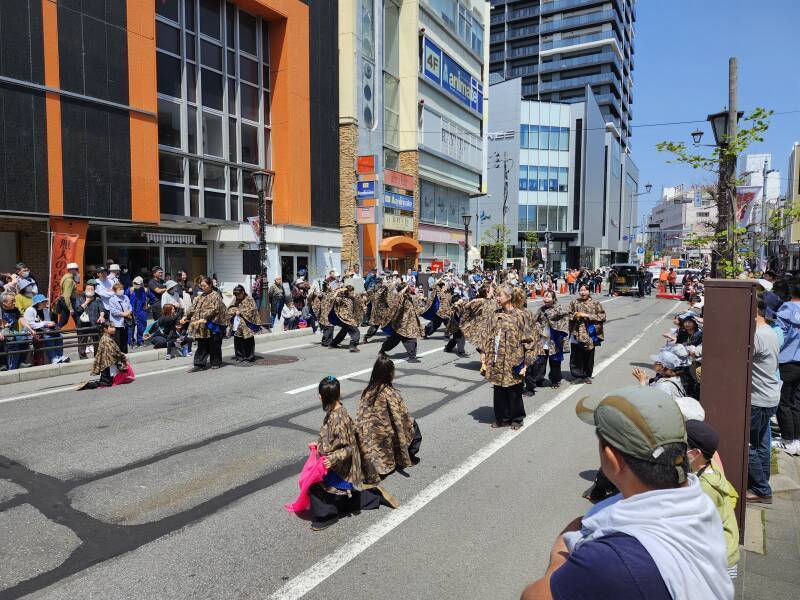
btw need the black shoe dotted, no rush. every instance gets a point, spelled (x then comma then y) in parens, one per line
(448, 350)
(334, 346)
(528, 393)
(215, 366)
(196, 368)
(366, 339)
(354, 349)
(413, 360)
(238, 359)
(320, 525)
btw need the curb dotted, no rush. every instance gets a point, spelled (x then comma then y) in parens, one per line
(145, 356)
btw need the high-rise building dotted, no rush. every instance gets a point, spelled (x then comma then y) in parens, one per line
(412, 128)
(558, 47)
(137, 125)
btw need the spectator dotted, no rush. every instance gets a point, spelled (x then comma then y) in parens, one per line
(25, 293)
(114, 274)
(37, 316)
(156, 286)
(185, 283)
(672, 277)
(125, 277)
(24, 277)
(277, 298)
(105, 288)
(703, 442)
(765, 395)
(65, 305)
(141, 300)
(666, 365)
(164, 332)
(13, 338)
(789, 358)
(120, 313)
(91, 314)
(665, 540)
(663, 278)
(290, 316)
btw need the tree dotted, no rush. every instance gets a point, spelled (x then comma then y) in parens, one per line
(725, 242)
(532, 253)
(495, 240)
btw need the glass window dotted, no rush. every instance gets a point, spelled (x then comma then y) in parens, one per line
(169, 75)
(170, 168)
(214, 205)
(563, 176)
(542, 217)
(553, 186)
(213, 176)
(169, 123)
(533, 182)
(232, 146)
(533, 137)
(532, 218)
(211, 85)
(211, 55)
(249, 207)
(233, 177)
(554, 135)
(231, 63)
(192, 126)
(552, 218)
(248, 27)
(188, 14)
(265, 41)
(168, 37)
(231, 96)
(523, 136)
(563, 143)
(172, 200)
(190, 49)
(194, 203)
(230, 24)
(523, 217)
(209, 18)
(212, 134)
(249, 144)
(249, 70)
(249, 100)
(233, 200)
(191, 82)
(544, 137)
(194, 171)
(169, 8)
(427, 192)
(523, 177)
(542, 179)
(248, 185)
(562, 218)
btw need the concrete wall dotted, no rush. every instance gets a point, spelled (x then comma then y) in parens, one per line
(592, 181)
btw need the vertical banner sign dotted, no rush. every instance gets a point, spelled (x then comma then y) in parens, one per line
(63, 250)
(747, 197)
(450, 76)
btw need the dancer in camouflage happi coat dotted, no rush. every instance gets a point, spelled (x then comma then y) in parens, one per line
(348, 309)
(321, 302)
(443, 292)
(551, 340)
(379, 313)
(404, 322)
(586, 332)
(208, 320)
(245, 310)
(475, 314)
(106, 357)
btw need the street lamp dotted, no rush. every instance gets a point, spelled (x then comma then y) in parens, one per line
(263, 182)
(505, 162)
(466, 218)
(697, 135)
(647, 188)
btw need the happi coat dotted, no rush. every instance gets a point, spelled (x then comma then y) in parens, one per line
(507, 345)
(578, 327)
(248, 313)
(107, 355)
(385, 430)
(207, 308)
(338, 441)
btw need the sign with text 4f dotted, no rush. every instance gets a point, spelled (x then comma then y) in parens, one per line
(454, 79)
(365, 189)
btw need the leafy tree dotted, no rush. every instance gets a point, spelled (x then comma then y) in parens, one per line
(532, 251)
(495, 241)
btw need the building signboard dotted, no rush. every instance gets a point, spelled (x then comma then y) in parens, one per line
(451, 77)
(365, 164)
(365, 215)
(398, 222)
(401, 201)
(365, 189)
(399, 180)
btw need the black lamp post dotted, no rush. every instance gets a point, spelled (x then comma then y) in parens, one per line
(466, 219)
(263, 181)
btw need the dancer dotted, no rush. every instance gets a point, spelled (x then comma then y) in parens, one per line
(404, 323)
(386, 430)
(246, 321)
(377, 297)
(207, 321)
(321, 302)
(474, 315)
(506, 347)
(453, 329)
(551, 322)
(347, 312)
(586, 333)
(442, 314)
(107, 359)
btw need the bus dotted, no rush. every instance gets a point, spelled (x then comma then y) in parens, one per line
(627, 281)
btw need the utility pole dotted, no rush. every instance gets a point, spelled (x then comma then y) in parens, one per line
(763, 256)
(505, 161)
(726, 190)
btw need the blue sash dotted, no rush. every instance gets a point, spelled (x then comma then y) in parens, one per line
(213, 327)
(334, 320)
(253, 327)
(332, 479)
(592, 331)
(431, 312)
(388, 330)
(558, 342)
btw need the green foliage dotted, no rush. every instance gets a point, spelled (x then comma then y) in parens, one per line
(495, 240)
(532, 253)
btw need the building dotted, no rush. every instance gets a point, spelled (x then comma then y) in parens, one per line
(560, 48)
(570, 183)
(137, 125)
(411, 125)
(790, 247)
(751, 168)
(683, 211)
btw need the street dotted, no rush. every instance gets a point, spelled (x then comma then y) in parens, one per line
(173, 486)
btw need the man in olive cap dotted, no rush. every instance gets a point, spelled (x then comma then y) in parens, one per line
(661, 536)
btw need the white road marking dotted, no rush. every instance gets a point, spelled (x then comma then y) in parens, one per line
(314, 386)
(322, 570)
(149, 374)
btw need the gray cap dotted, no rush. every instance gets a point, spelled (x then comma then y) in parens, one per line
(638, 421)
(170, 284)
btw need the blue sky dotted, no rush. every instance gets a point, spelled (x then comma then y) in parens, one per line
(681, 73)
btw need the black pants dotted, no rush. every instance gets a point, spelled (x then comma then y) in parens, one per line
(431, 327)
(672, 289)
(581, 361)
(410, 344)
(121, 337)
(105, 380)
(353, 332)
(789, 407)
(534, 374)
(457, 342)
(244, 348)
(508, 405)
(327, 334)
(209, 348)
(371, 332)
(326, 506)
(159, 341)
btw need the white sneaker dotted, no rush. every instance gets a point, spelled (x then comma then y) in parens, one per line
(55, 360)
(793, 448)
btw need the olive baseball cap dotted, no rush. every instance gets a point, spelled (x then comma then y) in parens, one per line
(636, 420)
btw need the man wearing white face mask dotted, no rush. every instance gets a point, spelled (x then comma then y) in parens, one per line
(24, 277)
(114, 273)
(104, 287)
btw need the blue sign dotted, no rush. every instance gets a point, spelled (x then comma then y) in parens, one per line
(446, 73)
(639, 250)
(365, 189)
(401, 201)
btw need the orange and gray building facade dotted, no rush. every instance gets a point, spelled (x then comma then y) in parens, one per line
(137, 125)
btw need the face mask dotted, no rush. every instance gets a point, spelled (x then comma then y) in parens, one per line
(89, 293)
(28, 292)
(77, 278)
(25, 273)
(136, 286)
(120, 293)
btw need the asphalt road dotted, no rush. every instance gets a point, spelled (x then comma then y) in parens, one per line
(173, 487)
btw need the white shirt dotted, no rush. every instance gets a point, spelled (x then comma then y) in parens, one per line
(103, 289)
(32, 317)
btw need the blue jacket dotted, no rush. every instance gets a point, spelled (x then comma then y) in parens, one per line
(789, 322)
(140, 299)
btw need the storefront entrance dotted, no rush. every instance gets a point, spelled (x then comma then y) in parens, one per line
(292, 261)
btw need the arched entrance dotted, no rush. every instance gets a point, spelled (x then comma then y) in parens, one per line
(400, 253)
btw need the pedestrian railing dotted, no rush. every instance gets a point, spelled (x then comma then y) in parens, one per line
(23, 343)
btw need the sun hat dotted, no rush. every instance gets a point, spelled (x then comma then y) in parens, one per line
(767, 285)
(23, 283)
(691, 409)
(114, 267)
(668, 359)
(72, 265)
(138, 280)
(170, 284)
(39, 298)
(638, 421)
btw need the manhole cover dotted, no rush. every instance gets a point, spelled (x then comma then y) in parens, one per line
(275, 359)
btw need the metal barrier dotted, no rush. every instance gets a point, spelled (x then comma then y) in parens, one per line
(81, 337)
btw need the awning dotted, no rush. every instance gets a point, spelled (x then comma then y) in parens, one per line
(400, 244)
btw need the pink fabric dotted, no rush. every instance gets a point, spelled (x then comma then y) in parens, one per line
(312, 473)
(125, 376)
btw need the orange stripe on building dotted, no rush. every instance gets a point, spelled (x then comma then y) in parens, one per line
(145, 202)
(52, 78)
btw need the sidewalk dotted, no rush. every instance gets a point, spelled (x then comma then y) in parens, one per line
(141, 355)
(770, 560)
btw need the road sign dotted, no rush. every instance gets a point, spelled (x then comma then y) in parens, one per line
(365, 189)
(625, 238)
(640, 250)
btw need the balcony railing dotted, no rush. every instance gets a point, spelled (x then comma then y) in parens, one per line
(576, 82)
(498, 37)
(580, 61)
(521, 71)
(522, 13)
(522, 32)
(558, 5)
(581, 39)
(523, 51)
(570, 22)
